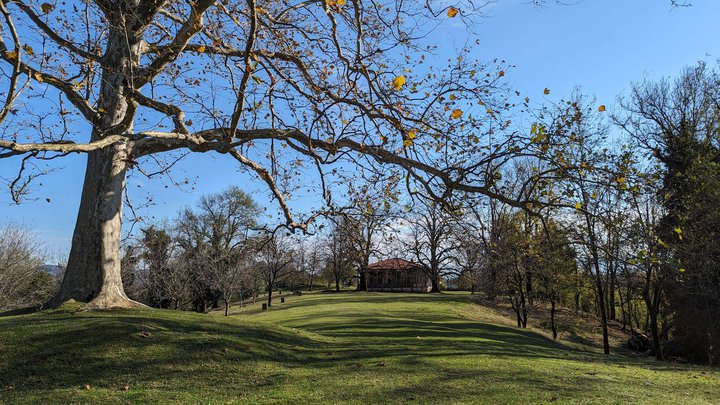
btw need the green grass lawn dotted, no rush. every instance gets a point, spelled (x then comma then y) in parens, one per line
(322, 348)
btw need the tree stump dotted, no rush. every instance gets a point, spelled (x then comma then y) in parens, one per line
(264, 306)
(282, 300)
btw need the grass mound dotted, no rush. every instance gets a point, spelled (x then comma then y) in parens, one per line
(321, 348)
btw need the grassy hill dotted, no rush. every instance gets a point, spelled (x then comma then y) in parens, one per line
(322, 348)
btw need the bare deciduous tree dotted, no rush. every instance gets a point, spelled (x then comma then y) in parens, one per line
(22, 281)
(127, 82)
(274, 261)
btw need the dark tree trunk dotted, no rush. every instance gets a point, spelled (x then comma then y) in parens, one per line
(435, 285)
(611, 295)
(656, 336)
(337, 284)
(523, 310)
(529, 287)
(362, 281)
(552, 319)
(269, 302)
(622, 309)
(603, 314)
(598, 283)
(652, 302)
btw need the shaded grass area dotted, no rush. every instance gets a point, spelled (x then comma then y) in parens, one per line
(322, 348)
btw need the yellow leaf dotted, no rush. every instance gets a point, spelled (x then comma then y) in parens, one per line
(398, 82)
(546, 91)
(12, 55)
(662, 243)
(46, 7)
(452, 12)
(452, 97)
(38, 77)
(407, 143)
(578, 206)
(412, 133)
(682, 270)
(620, 180)
(201, 49)
(383, 138)
(101, 110)
(28, 49)
(501, 73)
(602, 108)
(456, 113)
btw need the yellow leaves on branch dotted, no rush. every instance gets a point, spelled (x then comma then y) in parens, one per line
(201, 49)
(601, 108)
(412, 134)
(335, 3)
(398, 83)
(538, 132)
(456, 114)
(452, 12)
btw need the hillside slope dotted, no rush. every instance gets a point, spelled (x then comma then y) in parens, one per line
(321, 348)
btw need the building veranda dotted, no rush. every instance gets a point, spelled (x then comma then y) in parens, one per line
(397, 275)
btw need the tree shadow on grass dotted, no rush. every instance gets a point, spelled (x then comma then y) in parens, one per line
(65, 351)
(62, 349)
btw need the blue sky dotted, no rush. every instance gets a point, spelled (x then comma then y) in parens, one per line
(601, 46)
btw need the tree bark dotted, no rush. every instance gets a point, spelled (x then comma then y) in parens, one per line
(435, 285)
(362, 281)
(93, 271)
(603, 314)
(552, 320)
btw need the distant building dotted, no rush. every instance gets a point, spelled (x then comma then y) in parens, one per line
(397, 275)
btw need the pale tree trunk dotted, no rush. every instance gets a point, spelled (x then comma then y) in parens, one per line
(93, 271)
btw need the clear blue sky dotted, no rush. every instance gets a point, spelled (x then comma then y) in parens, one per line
(601, 46)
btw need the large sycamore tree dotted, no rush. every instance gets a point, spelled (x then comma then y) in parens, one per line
(287, 88)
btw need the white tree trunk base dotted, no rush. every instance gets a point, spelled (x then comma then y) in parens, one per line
(108, 301)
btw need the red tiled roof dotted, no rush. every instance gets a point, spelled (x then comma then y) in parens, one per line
(394, 264)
